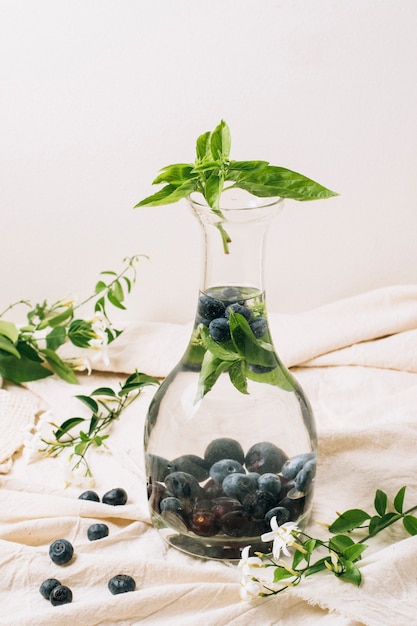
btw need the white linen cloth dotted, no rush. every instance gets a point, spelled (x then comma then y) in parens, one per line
(357, 362)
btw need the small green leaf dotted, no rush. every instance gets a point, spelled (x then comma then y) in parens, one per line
(297, 558)
(59, 367)
(111, 297)
(410, 524)
(399, 500)
(221, 141)
(280, 573)
(339, 543)
(117, 289)
(88, 401)
(168, 194)
(380, 502)
(351, 574)
(214, 188)
(175, 174)
(80, 333)
(349, 520)
(103, 391)
(7, 346)
(56, 337)
(66, 426)
(203, 150)
(80, 448)
(100, 286)
(58, 319)
(353, 553)
(318, 566)
(9, 330)
(238, 377)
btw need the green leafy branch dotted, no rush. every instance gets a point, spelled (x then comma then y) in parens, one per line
(213, 169)
(342, 553)
(29, 352)
(106, 406)
(243, 357)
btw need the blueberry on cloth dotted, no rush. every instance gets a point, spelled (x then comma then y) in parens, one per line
(89, 495)
(97, 531)
(61, 551)
(121, 583)
(115, 497)
(47, 586)
(60, 595)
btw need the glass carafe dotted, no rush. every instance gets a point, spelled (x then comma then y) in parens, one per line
(230, 438)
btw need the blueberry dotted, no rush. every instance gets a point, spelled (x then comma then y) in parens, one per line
(257, 503)
(294, 464)
(156, 493)
(47, 586)
(61, 551)
(305, 476)
(241, 309)
(239, 485)
(265, 457)
(158, 467)
(61, 594)
(224, 448)
(89, 495)
(259, 327)
(221, 469)
(192, 464)
(171, 504)
(295, 507)
(121, 583)
(97, 531)
(182, 485)
(115, 496)
(219, 329)
(280, 512)
(213, 489)
(270, 482)
(210, 308)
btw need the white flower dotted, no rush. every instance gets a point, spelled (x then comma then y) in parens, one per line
(247, 563)
(80, 364)
(250, 589)
(282, 536)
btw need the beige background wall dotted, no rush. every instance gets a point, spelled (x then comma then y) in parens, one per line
(97, 95)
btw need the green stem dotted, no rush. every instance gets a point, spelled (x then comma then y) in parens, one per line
(388, 523)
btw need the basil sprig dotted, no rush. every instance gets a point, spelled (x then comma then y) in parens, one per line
(243, 357)
(212, 171)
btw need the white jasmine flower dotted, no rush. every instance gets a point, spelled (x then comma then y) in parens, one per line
(282, 536)
(250, 589)
(80, 364)
(249, 562)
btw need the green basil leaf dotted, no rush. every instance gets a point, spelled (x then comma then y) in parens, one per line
(399, 500)
(168, 194)
(237, 376)
(380, 502)
(254, 351)
(211, 368)
(175, 174)
(410, 524)
(221, 141)
(349, 520)
(221, 351)
(203, 149)
(273, 181)
(214, 188)
(9, 330)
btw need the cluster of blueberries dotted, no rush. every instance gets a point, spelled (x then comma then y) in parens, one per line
(214, 313)
(61, 552)
(229, 491)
